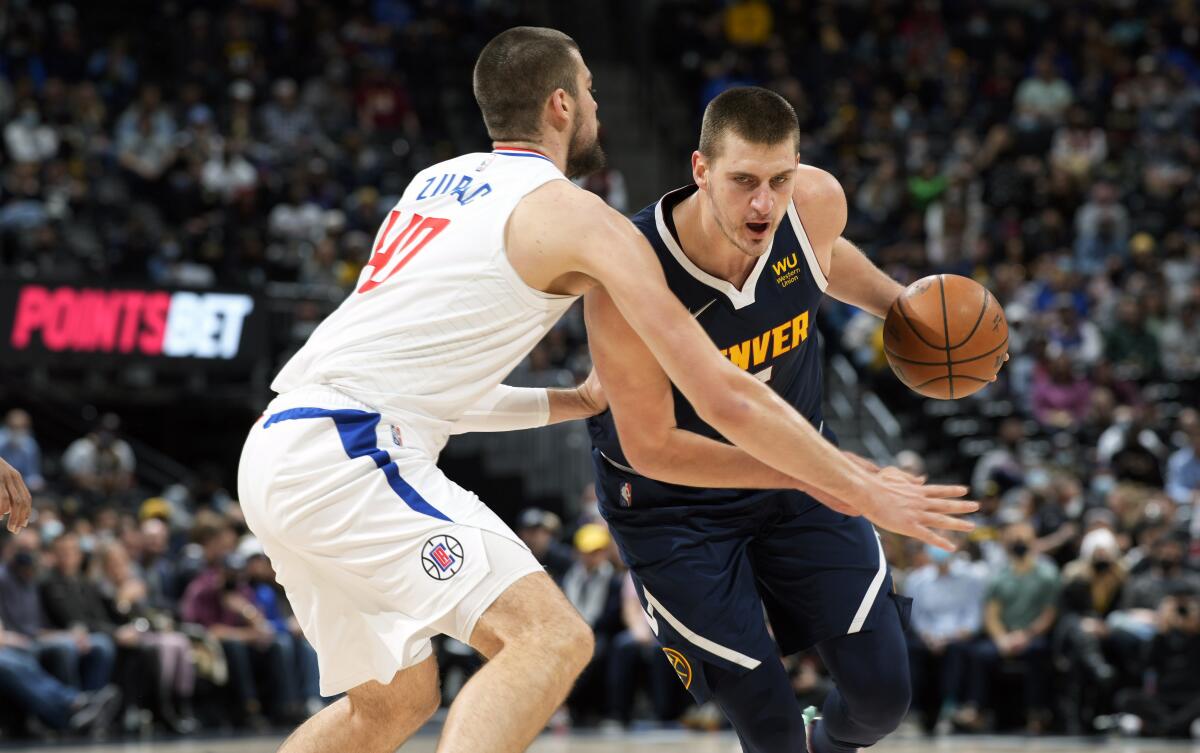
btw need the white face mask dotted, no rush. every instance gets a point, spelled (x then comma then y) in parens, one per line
(51, 530)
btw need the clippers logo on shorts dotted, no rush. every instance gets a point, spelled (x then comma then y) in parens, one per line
(681, 666)
(442, 557)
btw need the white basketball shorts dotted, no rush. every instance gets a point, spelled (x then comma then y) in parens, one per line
(378, 551)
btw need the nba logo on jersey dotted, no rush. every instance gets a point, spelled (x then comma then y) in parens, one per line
(442, 557)
(626, 495)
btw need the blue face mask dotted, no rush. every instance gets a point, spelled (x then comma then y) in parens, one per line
(938, 555)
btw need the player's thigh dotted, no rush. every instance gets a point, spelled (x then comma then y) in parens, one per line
(821, 574)
(697, 587)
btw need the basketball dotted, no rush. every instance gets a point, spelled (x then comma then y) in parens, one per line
(945, 336)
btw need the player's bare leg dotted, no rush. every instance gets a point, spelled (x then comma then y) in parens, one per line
(372, 718)
(537, 644)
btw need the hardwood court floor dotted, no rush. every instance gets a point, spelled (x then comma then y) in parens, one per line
(667, 742)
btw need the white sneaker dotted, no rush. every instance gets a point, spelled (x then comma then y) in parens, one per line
(810, 721)
(810, 718)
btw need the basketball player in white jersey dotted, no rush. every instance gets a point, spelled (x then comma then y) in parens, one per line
(377, 549)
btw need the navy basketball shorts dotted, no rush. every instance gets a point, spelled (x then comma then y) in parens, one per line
(740, 583)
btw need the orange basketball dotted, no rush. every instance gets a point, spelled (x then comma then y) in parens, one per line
(945, 336)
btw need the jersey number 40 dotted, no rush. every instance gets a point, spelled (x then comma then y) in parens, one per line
(394, 251)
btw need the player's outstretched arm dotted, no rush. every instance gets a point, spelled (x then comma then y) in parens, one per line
(596, 241)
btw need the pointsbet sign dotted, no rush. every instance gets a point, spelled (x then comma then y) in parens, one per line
(64, 320)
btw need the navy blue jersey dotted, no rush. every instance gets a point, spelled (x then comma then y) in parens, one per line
(767, 328)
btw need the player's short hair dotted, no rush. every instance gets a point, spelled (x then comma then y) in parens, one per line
(516, 72)
(758, 115)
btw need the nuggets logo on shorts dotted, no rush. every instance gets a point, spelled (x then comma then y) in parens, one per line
(442, 557)
(681, 666)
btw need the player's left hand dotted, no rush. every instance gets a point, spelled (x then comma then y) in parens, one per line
(14, 498)
(591, 392)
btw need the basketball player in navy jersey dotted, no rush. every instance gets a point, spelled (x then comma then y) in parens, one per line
(710, 534)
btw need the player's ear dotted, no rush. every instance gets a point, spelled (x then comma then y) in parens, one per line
(700, 169)
(559, 109)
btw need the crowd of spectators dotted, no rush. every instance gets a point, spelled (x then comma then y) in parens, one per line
(124, 612)
(1050, 151)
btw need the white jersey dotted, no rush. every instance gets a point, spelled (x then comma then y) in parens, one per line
(439, 316)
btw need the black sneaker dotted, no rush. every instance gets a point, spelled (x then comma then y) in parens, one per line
(95, 711)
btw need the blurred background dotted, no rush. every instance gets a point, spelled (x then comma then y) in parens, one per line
(187, 188)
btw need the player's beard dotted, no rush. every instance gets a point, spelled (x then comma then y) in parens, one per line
(583, 157)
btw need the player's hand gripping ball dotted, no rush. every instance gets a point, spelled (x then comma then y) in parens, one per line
(945, 336)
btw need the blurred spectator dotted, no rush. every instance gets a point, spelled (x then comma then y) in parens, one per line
(593, 586)
(74, 606)
(636, 661)
(127, 600)
(1079, 147)
(1102, 228)
(947, 614)
(159, 568)
(1183, 470)
(20, 448)
(1060, 396)
(27, 138)
(228, 174)
(748, 22)
(26, 686)
(1079, 338)
(539, 530)
(1091, 591)
(1019, 613)
(1002, 465)
(1165, 575)
(300, 659)
(218, 600)
(1130, 344)
(1169, 704)
(1179, 345)
(1042, 99)
(101, 463)
(288, 124)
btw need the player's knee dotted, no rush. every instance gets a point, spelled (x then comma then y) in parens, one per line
(571, 639)
(881, 704)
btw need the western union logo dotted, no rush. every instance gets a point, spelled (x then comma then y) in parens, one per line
(770, 344)
(787, 270)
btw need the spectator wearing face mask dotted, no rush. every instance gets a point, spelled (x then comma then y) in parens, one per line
(1091, 591)
(947, 614)
(1018, 615)
(1168, 703)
